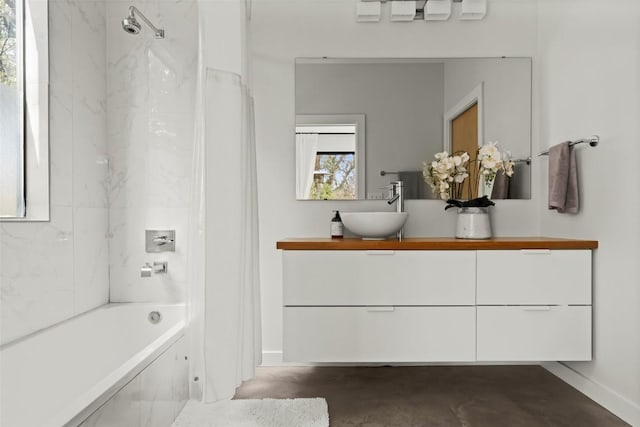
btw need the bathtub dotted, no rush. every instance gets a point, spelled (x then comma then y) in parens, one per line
(61, 375)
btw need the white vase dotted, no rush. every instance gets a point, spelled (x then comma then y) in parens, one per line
(484, 188)
(473, 223)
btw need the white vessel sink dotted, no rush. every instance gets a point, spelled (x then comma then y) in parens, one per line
(374, 225)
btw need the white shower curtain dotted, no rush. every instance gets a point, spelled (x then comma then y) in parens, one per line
(306, 152)
(224, 301)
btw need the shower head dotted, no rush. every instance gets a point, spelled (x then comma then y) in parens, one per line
(131, 25)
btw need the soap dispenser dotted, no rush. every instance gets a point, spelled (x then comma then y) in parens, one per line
(337, 228)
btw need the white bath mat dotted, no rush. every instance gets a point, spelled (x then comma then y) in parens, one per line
(255, 413)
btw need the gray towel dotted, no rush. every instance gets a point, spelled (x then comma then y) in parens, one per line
(563, 179)
(501, 186)
(414, 185)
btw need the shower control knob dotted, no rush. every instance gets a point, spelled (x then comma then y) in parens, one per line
(160, 241)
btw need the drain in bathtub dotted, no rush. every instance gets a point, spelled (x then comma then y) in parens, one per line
(155, 317)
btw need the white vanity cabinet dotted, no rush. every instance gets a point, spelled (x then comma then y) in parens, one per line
(534, 305)
(379, 277)
(379, 306)
(409, 301)
(379, 334)
(534, 277)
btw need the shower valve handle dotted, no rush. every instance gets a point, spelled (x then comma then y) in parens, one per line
(162, 240)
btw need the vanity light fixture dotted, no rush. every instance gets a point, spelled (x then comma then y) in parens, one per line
(428, 10)
(403, 10)
(437, 10)
(368, 11)
(473, 9)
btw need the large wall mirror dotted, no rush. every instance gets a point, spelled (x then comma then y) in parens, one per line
(361, 123)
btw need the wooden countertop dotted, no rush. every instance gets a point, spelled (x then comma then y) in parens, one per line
(433, 243)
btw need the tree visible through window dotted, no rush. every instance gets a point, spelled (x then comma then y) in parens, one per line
(11, 110)
(328, 158)
(335, 176)
(8, 42)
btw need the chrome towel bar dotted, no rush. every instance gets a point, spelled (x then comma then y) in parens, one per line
(593, 142)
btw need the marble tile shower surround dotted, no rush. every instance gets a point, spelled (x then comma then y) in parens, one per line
(121, 147)
(150, 107)
(50, 271)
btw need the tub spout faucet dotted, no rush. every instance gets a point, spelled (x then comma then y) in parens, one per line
(157, 267)
(397, 196)
(160, 266)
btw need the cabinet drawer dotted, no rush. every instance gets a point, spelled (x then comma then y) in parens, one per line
(379, 334)
(534, 333)
(344, 278)
(534, 277)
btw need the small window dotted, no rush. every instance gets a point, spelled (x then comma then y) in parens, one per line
(12, 141)
(24, 110)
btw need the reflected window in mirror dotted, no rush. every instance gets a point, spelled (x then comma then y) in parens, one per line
(329, 157)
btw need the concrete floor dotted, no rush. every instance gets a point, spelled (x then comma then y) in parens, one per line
(469, 396)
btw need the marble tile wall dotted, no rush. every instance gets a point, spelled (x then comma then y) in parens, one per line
(154, 398)
(50, 271)
(150, 104)
(121, 120)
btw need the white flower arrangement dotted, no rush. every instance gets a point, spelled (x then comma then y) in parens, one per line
(446, 174)
(491, 161)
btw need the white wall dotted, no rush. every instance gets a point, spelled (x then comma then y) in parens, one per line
(403, 105)
(50, 271)
(223, 26)
(590, 84)
(151, 88)
(282, 30)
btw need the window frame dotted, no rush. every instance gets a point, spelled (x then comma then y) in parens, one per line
(357, 120)
(35, 67)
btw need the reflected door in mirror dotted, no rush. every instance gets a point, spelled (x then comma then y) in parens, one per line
(464, 138)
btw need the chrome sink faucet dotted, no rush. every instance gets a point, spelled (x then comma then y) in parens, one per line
(397, 196)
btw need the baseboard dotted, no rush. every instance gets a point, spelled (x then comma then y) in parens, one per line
(274, 358)
(619, 405)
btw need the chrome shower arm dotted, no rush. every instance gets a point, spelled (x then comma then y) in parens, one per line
(133, 11)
